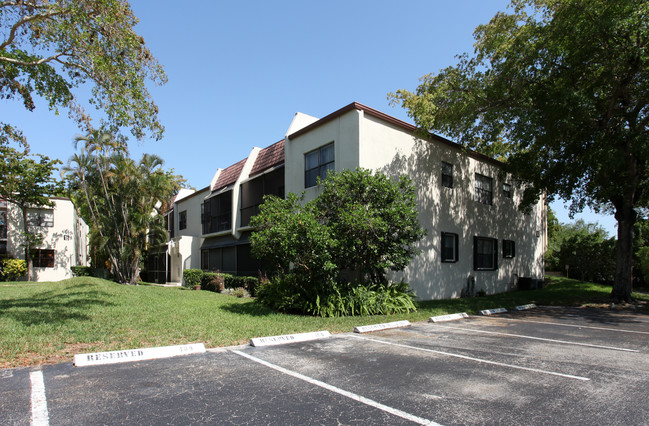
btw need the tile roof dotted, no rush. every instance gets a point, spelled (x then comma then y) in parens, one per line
(229, 175)
(269, 157)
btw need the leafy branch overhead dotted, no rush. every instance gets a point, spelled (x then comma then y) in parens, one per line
(50, 48)
(560, 90)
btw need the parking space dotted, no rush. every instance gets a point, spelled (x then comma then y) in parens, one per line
(543, 366)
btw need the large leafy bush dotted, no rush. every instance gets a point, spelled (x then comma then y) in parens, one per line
(330, 256)
(12, 269)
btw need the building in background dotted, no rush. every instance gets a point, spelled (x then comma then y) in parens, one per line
(477, 239)
(65, 242)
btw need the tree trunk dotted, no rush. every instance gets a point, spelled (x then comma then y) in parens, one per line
(626, 217)
(28, 249)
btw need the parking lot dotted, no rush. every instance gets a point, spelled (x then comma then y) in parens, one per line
(540, 366)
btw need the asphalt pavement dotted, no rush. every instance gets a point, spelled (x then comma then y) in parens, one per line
(540, 366)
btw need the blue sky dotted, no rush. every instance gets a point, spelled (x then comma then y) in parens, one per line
(239, 71)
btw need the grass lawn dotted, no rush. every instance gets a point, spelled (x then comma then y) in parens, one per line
(51, 322)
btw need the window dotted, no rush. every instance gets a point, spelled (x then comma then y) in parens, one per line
(447, 175)
(217, 213)
(485, 254)
(3, 224)
(41, 218)
(449, 247)
(222, 259)
(483, 189)
(317, 164)
(205, 260)
(43, 258)
(182, 219)
(509, 249)
(507, 190)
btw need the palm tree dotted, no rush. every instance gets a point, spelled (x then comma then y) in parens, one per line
(122, 199)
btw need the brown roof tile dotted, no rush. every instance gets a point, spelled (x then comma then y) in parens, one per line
(229, 175)
(269, 157)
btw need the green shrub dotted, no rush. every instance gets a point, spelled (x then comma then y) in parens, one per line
(362, 226)
(216, 283)
(82, 271)
(286, 294)
(251, 285)
(12, 269)
(228, 280)
(240, 292)
(206, 279)
(643, 260)
(248, 283)
(192, 277)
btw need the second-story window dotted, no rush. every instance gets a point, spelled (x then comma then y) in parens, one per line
(217, 213)
(447, 174)
(317, 164)
(507, 190)
(182, 219)
(483, 189)
(3, 224)
(41, 218)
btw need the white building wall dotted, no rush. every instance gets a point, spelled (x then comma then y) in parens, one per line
(184, 249)
(369, 142)
(342, 131)
(68, 238)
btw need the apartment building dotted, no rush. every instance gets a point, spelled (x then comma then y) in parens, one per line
(477, 239)
(65, 242)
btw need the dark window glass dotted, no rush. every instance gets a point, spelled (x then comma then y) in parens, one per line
(43, 258)
(485, 254)
(318, 163)
(449, 247)
(205, 260)
(3, 224)
(229, 260)
(182, 219)
(483, 189)
(447, 175)
(509, 249)
(217, 213)
(507, 190)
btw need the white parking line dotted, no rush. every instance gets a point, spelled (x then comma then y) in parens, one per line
(543, 339)
(486, 361)
(570, 325)
(40, 417)
(339, 391)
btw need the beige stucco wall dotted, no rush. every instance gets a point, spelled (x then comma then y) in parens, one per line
(342, 131)
(368, 142)
(184, 248)
(68, 238)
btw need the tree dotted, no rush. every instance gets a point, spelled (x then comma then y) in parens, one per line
(374, 221)
(49, 48)
(559, 90)
(27, 183)
(586, 249)
(331, 253)
(121, 199)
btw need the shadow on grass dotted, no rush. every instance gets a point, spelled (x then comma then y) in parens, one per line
(54, 307)
(577, 299)
(254, 309)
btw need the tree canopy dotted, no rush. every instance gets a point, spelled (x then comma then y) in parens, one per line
(50, 48)
(121, 199)
(559, 90)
